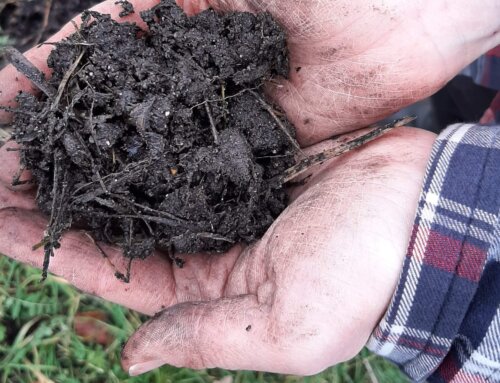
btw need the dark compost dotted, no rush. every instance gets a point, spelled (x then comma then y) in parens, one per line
(159, 139)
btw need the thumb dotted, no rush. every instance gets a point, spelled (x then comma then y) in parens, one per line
(224, 333)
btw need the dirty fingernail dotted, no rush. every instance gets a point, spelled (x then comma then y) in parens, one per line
(142, 368)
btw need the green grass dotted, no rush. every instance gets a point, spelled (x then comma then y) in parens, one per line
(38, 342)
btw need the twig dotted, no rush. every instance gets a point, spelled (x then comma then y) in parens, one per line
(270, 110)
(92, 130)
(212, 124)
(224, 97)
(22, 64)
(66, 43)
(91, 159)
(101, 251)
(179, 262)
(156, 219)
(215, 237)
(125, 277)
(224, 103)
(319, 158)
(146, 208)
(17, 177)
(128, 169)
(65, 80)
(48, 241)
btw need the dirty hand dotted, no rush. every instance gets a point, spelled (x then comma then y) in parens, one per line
(303, 298)
(356, 61)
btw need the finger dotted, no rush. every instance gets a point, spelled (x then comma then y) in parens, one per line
(22, 200)
(151, 287)
(12, 82)
(11, 168)
(223, 333)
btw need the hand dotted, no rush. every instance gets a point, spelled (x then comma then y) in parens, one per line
(303, 298)
(353, 62)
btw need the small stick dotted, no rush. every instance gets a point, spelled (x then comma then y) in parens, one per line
(224, 97)
(319, 158)
(212, 124)
(215, 237)
(270, 110)
(22, 64)
(179, 262)
(224, 103)
(99, 248)
(146, 208)
(67, 43)
(125, 277)
(17, 177)
(101, 251)
(92, 132)
(55, 184)
(65, 80)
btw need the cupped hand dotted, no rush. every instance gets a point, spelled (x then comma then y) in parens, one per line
(353, 62)
(306, 296)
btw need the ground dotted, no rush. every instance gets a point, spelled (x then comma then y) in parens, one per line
(52, 333)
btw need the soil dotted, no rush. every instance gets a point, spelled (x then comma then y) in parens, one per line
(160, 139)
(127, 6)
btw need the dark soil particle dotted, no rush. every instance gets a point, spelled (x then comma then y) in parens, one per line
(160, 139)
(128, 8)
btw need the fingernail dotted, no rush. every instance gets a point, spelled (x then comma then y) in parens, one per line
(142, 368)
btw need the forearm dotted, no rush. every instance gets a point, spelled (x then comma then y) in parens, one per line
(449, 289)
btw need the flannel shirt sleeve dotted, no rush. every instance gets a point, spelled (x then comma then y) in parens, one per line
(443, 323)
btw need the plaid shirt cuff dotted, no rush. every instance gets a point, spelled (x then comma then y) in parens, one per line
(443, 323)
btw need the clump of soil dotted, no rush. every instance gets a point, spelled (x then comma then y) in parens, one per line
(127, 7)
(160, 139)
